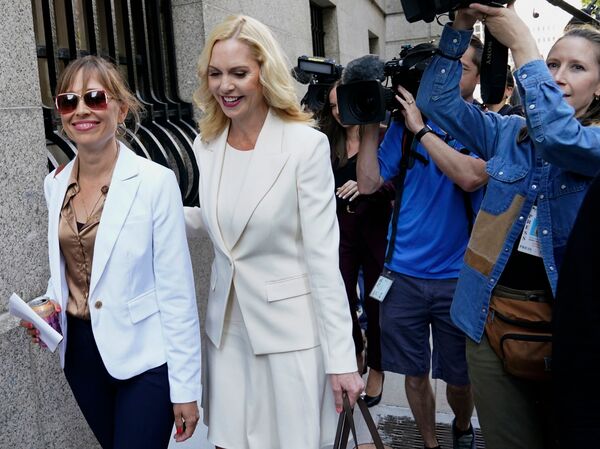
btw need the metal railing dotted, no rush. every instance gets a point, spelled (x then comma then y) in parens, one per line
(137, 35)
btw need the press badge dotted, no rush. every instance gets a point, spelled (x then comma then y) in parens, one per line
(382, 287)
(530, 242)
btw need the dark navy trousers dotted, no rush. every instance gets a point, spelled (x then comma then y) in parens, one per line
(134, 413)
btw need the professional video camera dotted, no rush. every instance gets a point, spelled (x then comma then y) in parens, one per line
(361, 97)
(493, 73)
(426, 10)
(320, 74)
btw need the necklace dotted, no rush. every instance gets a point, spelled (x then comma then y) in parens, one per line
(89, 214)
(103, 191)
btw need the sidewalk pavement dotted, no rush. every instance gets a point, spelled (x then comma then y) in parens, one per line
(393, 404)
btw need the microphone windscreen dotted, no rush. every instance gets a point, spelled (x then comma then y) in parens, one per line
(368, 67)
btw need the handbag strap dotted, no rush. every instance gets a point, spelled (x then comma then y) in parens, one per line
(364, 408)
(346, 425)
(339, 434)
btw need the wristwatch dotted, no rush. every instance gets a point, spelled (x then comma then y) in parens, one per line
(426, 129)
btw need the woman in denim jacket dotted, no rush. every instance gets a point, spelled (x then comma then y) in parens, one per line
(540, 167)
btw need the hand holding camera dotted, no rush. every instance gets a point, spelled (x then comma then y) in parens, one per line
(412, 116)
(465, 18)
(505, 25)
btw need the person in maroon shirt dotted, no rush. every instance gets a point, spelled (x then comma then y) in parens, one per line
(363, 221)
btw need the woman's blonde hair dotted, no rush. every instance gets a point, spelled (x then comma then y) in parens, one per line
(107, 74)
(275, 77)
(591, 117)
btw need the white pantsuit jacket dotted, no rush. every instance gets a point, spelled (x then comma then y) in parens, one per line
(284, 262)
(141, 296)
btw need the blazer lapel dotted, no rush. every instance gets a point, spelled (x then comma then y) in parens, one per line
(267, 162)
(215, 150)
(123, 187)
(56, 202)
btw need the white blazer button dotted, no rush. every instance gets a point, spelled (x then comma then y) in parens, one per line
(98, 304)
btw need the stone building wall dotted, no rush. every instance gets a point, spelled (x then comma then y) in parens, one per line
(37, 409)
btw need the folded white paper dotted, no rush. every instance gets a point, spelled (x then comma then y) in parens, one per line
(19, 308)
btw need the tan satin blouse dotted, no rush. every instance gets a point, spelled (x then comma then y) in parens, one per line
(77, 246)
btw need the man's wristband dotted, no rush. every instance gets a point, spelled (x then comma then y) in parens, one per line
(426, 129)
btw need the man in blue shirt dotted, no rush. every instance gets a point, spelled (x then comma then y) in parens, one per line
(425, 256)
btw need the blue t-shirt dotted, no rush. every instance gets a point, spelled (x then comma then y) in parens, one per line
(433, 226)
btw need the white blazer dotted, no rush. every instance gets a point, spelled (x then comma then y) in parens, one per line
(141, 297)
(284, 263)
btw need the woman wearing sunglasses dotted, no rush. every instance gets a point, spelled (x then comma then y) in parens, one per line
(120, 272)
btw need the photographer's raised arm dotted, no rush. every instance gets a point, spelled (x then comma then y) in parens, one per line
(556, 117)
(506, 26)
(439, 98)
(465, 171)
(367, 168)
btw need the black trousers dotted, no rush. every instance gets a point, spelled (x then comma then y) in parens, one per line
(363, 241)
(134, 413)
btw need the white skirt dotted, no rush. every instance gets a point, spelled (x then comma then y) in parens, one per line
(272, 401)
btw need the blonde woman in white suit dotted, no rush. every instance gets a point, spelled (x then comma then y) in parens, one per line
(120, 272)
(280, 350)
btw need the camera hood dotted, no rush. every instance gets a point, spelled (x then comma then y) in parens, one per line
(361, 102)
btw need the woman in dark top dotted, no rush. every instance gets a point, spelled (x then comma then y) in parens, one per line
(363, 229)
(576, 348)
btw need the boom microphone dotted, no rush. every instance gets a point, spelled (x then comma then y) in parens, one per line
(368, 67)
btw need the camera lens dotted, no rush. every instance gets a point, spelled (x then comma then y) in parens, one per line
(364, 105)
(361, 102)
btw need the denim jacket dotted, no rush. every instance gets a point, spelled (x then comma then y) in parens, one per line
(551, 168)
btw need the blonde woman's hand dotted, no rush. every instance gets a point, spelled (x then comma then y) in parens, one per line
(186, 420)
(351, 383)
(32, 330)
(348, 190)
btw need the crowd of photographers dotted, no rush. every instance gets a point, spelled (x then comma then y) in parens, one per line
(460, 215)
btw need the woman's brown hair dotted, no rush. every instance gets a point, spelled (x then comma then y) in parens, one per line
(336, 133)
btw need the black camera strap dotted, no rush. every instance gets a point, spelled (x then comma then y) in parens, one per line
(493, 69)
(467, 201)
(409, 155)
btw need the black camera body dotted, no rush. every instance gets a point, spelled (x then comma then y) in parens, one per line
(363, 99)
(408, 69)
(492, 74)
(426, 10)
(320, 74)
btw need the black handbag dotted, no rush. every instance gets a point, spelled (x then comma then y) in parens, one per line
(346, 425)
